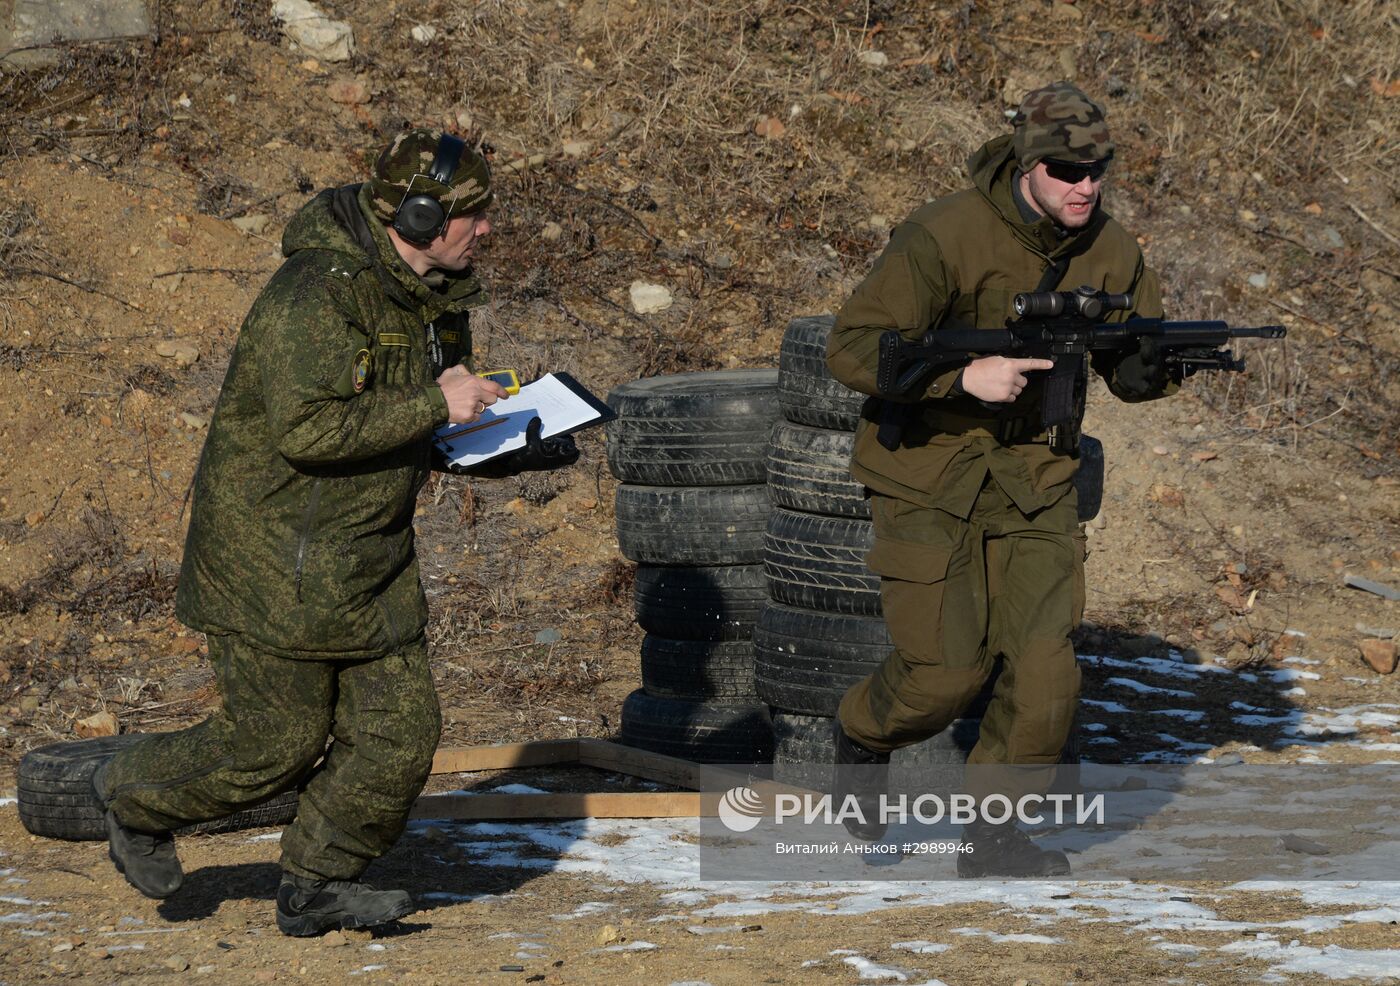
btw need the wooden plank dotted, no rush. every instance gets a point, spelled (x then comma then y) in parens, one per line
(459, 807)
(606, 755)
(539, 753)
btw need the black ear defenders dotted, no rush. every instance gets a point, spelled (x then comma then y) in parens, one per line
(420, 218)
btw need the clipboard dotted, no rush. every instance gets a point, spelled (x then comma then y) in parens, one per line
(562, 404)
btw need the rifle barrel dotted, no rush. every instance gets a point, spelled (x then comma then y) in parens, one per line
(1260, 332)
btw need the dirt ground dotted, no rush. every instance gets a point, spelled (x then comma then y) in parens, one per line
(750, 156)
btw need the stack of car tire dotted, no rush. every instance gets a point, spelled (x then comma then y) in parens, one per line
(692, 508)
(822, 630)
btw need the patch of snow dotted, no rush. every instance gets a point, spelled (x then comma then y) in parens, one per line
(921, 947)
(1182, 744)
(25, 917)
(584, 910)
(1281, 675)
(1106, 706)
(1142, 689)
(1018, 938)
(1331, 961)
(870, 970)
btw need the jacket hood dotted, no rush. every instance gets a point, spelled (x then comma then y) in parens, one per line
(336, 220)
(316, 227)
(992, 168)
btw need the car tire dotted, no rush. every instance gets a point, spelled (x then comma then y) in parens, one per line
(817, 562)
(692, 429)
(809, 469)
(693, 602)
(1088, 480)
(737, 732)
(56, 799)
(697, 669)
(692, 525)
(807, 393)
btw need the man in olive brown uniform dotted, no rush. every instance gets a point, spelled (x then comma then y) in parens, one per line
(976, 535)
(299, 564)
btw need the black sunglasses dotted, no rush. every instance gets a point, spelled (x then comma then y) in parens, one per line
(1073, 172)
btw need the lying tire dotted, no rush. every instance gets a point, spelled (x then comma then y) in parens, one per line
(690, 602)
(56, 799)
(818, 562)
(1088, 481)
(692, 429)
(709, 732)
(697, 668)
(809, 469)
(692, 525)
(807, 393)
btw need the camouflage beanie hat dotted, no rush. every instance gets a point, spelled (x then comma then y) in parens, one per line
(1059, 121)
(410, 155)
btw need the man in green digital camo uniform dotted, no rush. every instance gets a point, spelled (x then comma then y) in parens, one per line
(976, 537)
(299, 564)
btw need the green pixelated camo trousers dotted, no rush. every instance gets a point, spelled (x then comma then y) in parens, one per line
(381, 716)
(956, 593)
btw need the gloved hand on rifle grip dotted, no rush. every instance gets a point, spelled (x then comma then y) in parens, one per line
(1144, 373)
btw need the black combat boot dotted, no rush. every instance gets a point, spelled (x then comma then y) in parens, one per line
(864, 773)
(308, 907)
(1006, 850)
(146, 859)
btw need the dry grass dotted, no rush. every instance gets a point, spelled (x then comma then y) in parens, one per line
(1221, 108)
(1217, 106)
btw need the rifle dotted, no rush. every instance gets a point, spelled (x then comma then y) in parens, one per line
(1062, 326)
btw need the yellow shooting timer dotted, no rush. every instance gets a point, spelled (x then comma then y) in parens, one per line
(506, 378)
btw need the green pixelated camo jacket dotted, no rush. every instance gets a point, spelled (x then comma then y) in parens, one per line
(301, 532)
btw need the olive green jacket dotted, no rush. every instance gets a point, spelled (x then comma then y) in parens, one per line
(960, 260)
(301, 532)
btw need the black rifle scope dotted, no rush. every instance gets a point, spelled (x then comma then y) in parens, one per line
(1084, 303)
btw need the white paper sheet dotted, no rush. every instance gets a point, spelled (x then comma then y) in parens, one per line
(501, 427)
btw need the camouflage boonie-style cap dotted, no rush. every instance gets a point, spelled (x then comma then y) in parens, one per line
(1059, 121)
(411, 153)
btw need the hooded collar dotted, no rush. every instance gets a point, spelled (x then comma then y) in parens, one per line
(993, 169)
(340, 220)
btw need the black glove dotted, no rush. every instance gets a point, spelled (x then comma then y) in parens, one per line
(538, 453)
(543, 453)
(1143, 373)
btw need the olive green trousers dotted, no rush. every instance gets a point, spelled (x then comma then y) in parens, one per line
(956, 594)
(381, 718)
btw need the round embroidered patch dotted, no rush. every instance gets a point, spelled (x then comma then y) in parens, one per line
(359, 373)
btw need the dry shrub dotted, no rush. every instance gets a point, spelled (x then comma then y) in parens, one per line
(1282, 85)
(535, 672)
(614, 585)
(94, 573)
